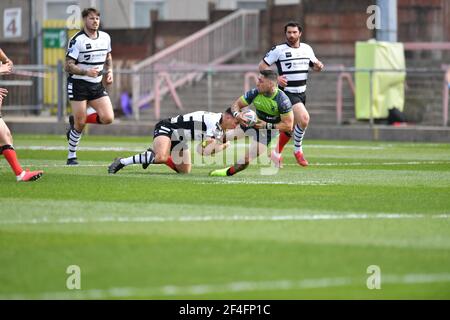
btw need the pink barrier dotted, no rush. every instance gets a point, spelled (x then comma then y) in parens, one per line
(339, 86)
(445, 90)
(157, 90)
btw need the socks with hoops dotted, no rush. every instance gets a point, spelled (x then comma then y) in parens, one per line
(74, 140)
(148, 157)
(298, 138)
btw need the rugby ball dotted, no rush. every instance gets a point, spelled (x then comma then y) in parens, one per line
(250, 117)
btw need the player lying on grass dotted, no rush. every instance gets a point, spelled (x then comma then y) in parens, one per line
(274, 112)
(172, 136)
(6, 141)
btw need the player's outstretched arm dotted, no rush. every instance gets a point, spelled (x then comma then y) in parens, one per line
(210, 147)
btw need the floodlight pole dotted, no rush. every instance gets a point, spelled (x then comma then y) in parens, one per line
(388, 16)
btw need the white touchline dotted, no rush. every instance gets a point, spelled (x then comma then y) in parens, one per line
(231, 287)
(137, 149)
(334, 164)
(243, 218)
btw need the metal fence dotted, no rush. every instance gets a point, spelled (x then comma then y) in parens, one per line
(40, 90)
(227, 38)
(35, 90)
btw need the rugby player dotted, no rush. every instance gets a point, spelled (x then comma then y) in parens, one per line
(6, 140)
(172, 136)
(274, 112)
(88, 60)
(293, 60)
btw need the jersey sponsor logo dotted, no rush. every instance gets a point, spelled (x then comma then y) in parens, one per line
(288, 65)
(88, 46)
(87, 57)
(288, 54)
(70, 50)
(72, 42)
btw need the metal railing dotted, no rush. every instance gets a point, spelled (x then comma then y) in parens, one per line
(36, 90)
(426, 92)
(346, 74)
(233, 35)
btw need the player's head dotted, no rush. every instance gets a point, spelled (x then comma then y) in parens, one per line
(293, 31)
(91, 18)
(267, 81)
(228, 120)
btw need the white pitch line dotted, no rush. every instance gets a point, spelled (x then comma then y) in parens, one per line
(334, 164)
(209, 218)
(64, 148)
(137, 149)
(231, 287)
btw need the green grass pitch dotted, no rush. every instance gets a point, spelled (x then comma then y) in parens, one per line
(301, 233)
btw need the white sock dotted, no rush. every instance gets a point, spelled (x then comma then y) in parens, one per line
(20, 176)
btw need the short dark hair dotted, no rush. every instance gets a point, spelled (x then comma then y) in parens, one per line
(228, 110)
(87, 11)
(293, 24)
(270, 74)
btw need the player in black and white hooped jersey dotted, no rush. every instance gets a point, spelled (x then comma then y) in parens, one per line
(89, 63)
(293, 60)
(171, 138)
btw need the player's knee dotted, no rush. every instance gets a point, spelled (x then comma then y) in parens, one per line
(8, 136)
(80, 123)
(184, 169)
(6, 147)
(161, 158)
(304, 120)
(107, 119)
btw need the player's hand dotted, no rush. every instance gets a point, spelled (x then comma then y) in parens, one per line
(318, 66)
(3, 92)
(6, 68)
(241, 120)
(226, 145)
(260, 124)
(109, 77)
(282, 81)
(92, 72)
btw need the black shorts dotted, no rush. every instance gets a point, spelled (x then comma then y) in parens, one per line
(166, 128)
(296, 97)
(80, 90)
(263, 136)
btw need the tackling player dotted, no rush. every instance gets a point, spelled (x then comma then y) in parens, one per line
(274, 111)
(171, 137)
